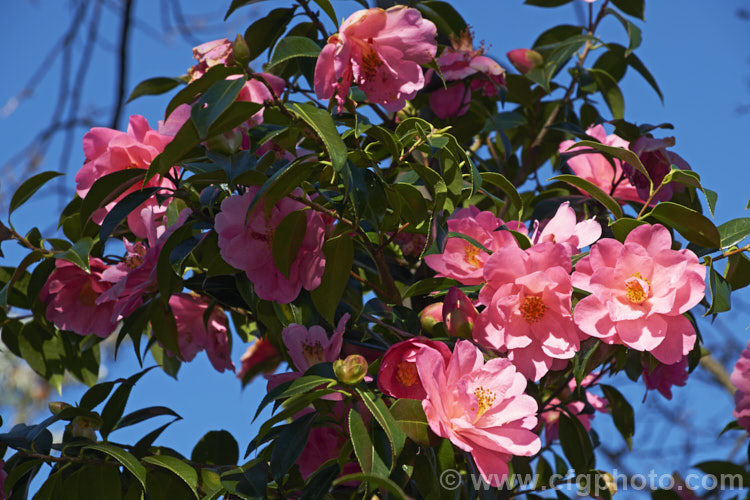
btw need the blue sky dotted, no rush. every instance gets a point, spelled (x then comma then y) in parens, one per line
(699, 54)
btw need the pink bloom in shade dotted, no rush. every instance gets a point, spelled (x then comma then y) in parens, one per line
(551, 415)
(3, 476)
(256, 91)
(664, 377)
(564, 229)
(524, 60)
(595, 168)
(308, 347)
(740, 378)
(639, 292)
(462, 61)
(450, 102)
(260, 357)
(109, 151)
(381, 51)
(459, 313)
(248, 245)
(528, 298)
(175, 121)
(658, 162)
(71, 294)
(195, 335)
(398, 376)
(211, 54)
(481, 407)
(411, 244)
(461, 260)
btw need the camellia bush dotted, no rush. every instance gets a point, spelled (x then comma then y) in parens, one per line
(367, 212)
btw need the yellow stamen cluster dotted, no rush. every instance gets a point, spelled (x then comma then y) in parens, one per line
(313, 352)
(406, 373)
(634, 290)
(470, 256)
(485, 399)
(533, 309)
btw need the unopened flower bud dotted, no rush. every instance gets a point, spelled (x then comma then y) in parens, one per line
(525, 60)
(241, 51)
(431, 316)
(350, 370)
(459, 313)
(56, 407)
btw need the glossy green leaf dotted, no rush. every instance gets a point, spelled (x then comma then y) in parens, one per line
(108, 188)
(576, 444)
(78, 254)
(382, 414)
(189, 94)
(322, 123)
(446, 18)
(737, 272)
(692, 225)
(154, 86)
(367, 456)
(329, 10)
(507, 187)
(620, 153)
(610, 91)
(622, 413)
(633, 8)
(178, 468)
(410, 418)
(144, 414)
(292, 47)
(213, 103)
(383, 483)
(638, 65)
(216, 448)
(128, 460)
(593, 190)
(264, 32)
(290, 444)
(236, 4)
(99, 481)
(121, 210)
(287, 240)
(96, 395)
(27, 189)
(429, 285)
(622, 227)
(634, 32)
(721, 293)
(339, 252)
(734, 231)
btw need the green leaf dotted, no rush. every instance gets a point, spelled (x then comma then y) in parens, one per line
(19, 471)
(379, 410)
(99, 481)
(638, 65)
(322, 123)
(287, 240)
(721, 293)
(622, 413)
(633, 8)
(264, 32)
(507, 187)
(411, 419)
(154, 86)
(300, 385)
(236, 4)
(122, 209)
(444, 15)
(610, 91)
(115, 407)
(620, 153)
(634, 32)
(108, 188)
(367, 456)
(692, 225)
(734, 231)
(213, 103)
(144, 414)
(328, 9)
(27, 189)
(429, 285)
(289, 445)
(189, 94)
(576, 444)
(216, 448)
(177, 467)
(711, 198)
(78, 254)
(581, 360)
(383, 483)
(319, 483)
(339, 252)
(622, 227)
(95, 395)
(595, 191)
(129, 461)
(718, 468)
(291, 47)
(737, 271)
(183, 142)
(547, 3)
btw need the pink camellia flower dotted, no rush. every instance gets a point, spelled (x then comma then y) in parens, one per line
(71, 294)
(308, 347)
(109, 151)
(564, 229)
(195, 335)
(664, 377)
(481, 407)
(450, 102)
(256, 91)
(461, 260)
(524, 60)
(658, 162)
(551, 415)
(740, 378)
(381, 51)
(528, 298)
(595, 168)
(260, 357)
(398, 376)
(639, 292)
(248, 245)
(431, 316)
(211, 54)
(459, 313)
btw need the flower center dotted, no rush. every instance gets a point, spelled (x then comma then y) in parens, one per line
(313, 352)
(637, 289)
(135, 258)
(406, 373)
(470, 256)
(485, 398)
(533, 309)
(87, 296)
(370, 61)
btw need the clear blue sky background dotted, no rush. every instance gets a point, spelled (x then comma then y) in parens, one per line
(698, 51)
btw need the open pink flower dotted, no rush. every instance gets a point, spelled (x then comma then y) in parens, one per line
(260, 357)
(658, 163)
(308, 347)
(595, 168)
(248, 246)
(481, 407)
(528, 298)
(564, 229)
(639, 291)
(109, 151)
(71, 294)
(398, 376)
(740, 378)
(664, 377)
(461, 260)
(551, 415)
(450, 102)
(381, 51)
(211, 54)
